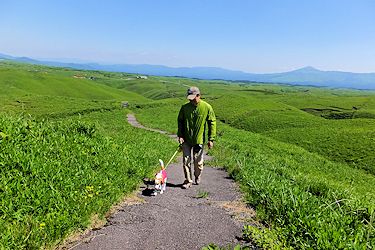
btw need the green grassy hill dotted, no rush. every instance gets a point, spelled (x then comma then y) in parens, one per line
(337, 124)
(67, 153)
(19, 80)
(46, 90)
(306, 199)
(303, 171)
(304, 156)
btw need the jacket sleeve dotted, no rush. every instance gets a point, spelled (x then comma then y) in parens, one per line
(211, 122)
(180, 122)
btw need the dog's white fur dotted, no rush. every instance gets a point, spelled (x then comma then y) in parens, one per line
(160, 180)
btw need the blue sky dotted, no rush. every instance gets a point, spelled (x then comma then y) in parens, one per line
(252, 36)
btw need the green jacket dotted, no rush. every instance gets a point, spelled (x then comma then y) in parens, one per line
(193, 122)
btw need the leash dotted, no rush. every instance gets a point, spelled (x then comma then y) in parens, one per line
(170, 160)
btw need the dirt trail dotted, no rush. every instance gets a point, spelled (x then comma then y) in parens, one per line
(178, 219)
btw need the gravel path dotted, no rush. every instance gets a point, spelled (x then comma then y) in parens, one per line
(178, 219)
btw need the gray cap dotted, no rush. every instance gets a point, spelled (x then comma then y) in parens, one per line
(192, 92)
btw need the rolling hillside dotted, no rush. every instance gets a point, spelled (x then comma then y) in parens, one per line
(302, 155)
(304, 76)
(40, 89)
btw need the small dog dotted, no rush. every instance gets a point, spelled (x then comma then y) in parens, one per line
(160, 180)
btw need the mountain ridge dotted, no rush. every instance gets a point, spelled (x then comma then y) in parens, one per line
(304, 76)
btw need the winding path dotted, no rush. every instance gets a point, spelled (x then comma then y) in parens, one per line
(211, 212)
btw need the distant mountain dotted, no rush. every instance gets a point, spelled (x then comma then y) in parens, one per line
(3, 56)
(315, 77)
(303, 76)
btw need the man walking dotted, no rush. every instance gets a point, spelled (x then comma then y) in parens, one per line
(193, 119)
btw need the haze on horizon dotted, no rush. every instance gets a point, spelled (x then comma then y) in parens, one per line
(251, 36)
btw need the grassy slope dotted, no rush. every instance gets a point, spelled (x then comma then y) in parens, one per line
(56, 175)
(308, 200)
(42, 90)
(16, 81)
(280, 179)
(276, 111)
(311, 202)
(281, 117)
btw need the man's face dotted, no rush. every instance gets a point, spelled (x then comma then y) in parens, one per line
(196, 100)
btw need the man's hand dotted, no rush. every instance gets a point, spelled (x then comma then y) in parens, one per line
(210, 144)
(181, 140)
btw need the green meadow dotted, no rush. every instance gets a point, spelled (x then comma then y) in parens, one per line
(304, 157)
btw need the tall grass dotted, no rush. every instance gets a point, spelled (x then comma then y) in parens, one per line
(310, 202)
(55, 176)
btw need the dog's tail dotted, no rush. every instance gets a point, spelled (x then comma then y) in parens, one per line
(161, 164)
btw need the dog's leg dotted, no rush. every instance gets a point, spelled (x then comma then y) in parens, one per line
(164, 185)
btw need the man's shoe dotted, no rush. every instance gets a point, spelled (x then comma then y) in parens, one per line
(186, 185)
(198, 180)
